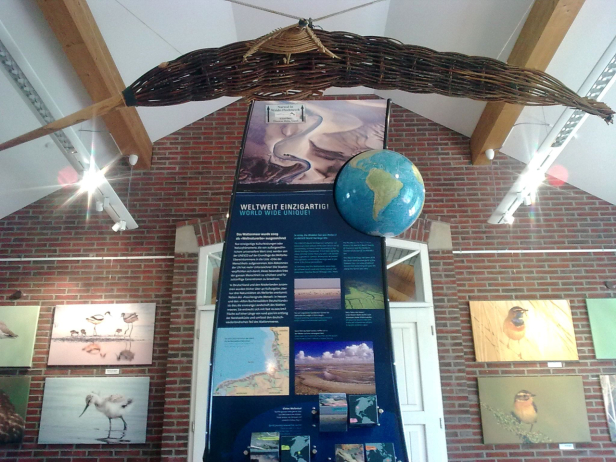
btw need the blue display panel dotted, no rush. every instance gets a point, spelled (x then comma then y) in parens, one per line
(302, 321)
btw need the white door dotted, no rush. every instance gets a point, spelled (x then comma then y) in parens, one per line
(415, 351)
(207, 282)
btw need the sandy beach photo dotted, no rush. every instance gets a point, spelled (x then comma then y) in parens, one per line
(334, 367)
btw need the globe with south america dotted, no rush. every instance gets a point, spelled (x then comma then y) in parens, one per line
(380, 192)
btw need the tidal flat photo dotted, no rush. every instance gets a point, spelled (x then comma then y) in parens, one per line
(608, 385)
(363, 295)
(334, 367)
(14, 393)
(314, 150)
(523, 410)
(96, 335)
(317, 294)
(523, 330)
(17, 334)
(94, 410)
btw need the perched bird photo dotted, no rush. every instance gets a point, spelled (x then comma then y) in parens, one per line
(514, 325)
(524, 408)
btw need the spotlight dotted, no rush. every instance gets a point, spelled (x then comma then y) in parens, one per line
(133, 159)
(527, 200)
(91, 180)
(119, 226)
(490, 154)
(509, 219)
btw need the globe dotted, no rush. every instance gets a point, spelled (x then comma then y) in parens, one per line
(380, 193)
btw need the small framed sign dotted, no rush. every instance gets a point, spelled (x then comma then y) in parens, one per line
(285, 113)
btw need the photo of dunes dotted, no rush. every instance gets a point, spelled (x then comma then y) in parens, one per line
(363, 295)
(317, 294)
(334, 367)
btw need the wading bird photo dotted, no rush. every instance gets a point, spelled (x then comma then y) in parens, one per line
(120, 410)
(124, 331)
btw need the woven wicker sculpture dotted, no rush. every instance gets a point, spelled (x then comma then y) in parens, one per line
(298, 62)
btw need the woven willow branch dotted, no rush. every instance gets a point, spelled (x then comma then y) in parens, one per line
(375, 62)
(298, 62)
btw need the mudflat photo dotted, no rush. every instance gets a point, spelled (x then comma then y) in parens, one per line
(317, 294)
(334, 367)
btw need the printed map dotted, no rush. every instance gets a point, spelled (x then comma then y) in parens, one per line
(251, 361)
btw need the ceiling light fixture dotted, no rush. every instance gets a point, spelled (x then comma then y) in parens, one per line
(68, 142)
(524, 190)
(119, 226)
(92, 179)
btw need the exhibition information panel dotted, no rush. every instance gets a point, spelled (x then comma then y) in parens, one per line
(302, 358)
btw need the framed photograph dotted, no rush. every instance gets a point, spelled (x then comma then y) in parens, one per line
(17, 335)
(524, 410)
(602, 315)
(14, 392)
(94, 410)
(608, 385)
(97, 335)
(523, 330)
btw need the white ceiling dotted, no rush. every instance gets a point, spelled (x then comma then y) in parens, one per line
(141, 34)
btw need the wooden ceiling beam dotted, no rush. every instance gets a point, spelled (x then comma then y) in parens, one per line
(545, 28)
(75, 28)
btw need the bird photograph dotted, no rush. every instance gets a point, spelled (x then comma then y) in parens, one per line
(5, 332)
(129, 319)
(118, 410)
(85, 335)
(523, 330)
(13, 405)
(97, 319)
(18, 326)
(514, 326)
(112, 407)
(526, 409)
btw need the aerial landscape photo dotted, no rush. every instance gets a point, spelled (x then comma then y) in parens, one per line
(363, 295)
(317, 294)
(334, 367)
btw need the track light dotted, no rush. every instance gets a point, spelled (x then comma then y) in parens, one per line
(91, 179)
(119, 226)
(102, 205)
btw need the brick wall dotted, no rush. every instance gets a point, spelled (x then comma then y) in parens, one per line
(191, 177)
